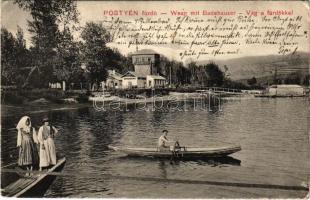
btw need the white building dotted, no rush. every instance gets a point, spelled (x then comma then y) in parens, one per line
(114, 80)
(145, 75)
(285, 90)
(133, 80)
(155, 81)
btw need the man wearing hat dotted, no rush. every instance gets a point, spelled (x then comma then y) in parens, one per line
(46, 135)
(163, 140)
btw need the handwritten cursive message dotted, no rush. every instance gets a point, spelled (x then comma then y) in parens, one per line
(197, 33)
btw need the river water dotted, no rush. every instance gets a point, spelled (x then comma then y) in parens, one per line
(273, 134)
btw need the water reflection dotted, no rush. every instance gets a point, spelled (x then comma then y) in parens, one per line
(222, 161)
(216, 161)
(162, 168)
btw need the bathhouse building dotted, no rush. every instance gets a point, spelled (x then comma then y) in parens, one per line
(146, 72)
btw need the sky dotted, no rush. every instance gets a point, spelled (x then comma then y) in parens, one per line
(12, 16)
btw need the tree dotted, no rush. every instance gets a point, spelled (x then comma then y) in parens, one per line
(226, 72)
(68, 66)
(96, 54)
(183, 74)
(252, 81)
(306, 80)
(15, 57)
(23, 58)
(117, 61)
(193, 68)
(213, 74)
(293, 78)
(8, 66)
(47, 16)
(179, 73)
(127, 64)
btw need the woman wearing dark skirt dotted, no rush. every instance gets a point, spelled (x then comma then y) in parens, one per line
(26, 139)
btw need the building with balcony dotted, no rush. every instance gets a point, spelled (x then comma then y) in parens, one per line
(146, 64)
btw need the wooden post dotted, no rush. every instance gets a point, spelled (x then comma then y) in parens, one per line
(63, 86)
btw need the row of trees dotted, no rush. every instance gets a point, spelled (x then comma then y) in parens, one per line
(202, 75)
(297, 77)
(54, 54)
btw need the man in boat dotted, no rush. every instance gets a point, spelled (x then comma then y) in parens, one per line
(162, 141)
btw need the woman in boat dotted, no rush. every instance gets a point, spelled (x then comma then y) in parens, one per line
(26, 139)
(46, 136)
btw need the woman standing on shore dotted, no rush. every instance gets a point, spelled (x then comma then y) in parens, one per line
(26, 138)
(47, 146)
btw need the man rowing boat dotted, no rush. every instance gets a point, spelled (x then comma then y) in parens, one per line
(163, 140)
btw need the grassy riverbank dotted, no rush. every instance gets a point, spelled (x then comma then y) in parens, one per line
(39, 100)
(21, 97)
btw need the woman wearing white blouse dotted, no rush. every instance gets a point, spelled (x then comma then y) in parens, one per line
(26, 139)
(46, 136)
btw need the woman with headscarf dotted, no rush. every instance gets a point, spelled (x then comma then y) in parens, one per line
(46, 135)
(26, 137)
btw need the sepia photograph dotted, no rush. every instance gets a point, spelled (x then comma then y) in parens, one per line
(155, 99)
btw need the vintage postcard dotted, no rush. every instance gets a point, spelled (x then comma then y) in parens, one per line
(155, 99)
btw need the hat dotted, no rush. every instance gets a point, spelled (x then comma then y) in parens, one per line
(165, 131)
(45, 119)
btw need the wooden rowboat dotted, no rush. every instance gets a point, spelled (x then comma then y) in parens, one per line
(183, 152)
(34, 185)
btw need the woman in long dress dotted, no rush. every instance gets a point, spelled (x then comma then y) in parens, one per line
(26, 139)
(46, 135)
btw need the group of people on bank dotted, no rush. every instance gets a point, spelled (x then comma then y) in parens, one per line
(36, 148)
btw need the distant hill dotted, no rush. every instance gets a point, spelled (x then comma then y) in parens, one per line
(263, 66)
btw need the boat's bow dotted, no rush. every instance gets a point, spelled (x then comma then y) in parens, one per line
(34, 185)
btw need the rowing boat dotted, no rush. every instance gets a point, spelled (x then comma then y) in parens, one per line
(34, 185)
(182, 152)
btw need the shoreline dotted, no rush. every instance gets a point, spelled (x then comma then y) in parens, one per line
(9, 110)
(71, 104)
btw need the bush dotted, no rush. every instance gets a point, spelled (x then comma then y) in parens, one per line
(52, 95)
(11, 98)
(82, 98)
(22, 95)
